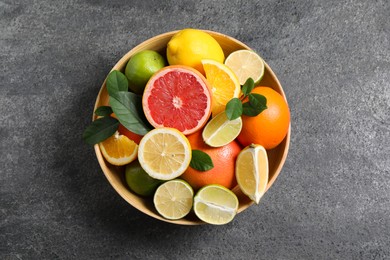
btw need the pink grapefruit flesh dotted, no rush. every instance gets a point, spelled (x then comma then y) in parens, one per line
(178, 97)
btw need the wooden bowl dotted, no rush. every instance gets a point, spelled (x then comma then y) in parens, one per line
(115, 175)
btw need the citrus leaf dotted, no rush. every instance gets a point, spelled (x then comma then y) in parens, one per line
(116, 81)
(258, 101)
(100, 130)
(233, 109)
(201, 161)
(248, 110)
(248, 86)
(103, 111)
(256, 104)
(127, 107)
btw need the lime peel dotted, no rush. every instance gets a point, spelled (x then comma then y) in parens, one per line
(215, 204)
(220, 131)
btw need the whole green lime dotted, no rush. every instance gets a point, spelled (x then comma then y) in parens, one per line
(139, 181)
(141, 67)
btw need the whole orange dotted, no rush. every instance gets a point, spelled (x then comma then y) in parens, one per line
(270, 126)
(223, 158)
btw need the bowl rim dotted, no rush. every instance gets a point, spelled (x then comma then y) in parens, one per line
(100, 157)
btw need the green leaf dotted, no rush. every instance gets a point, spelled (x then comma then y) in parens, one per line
(257, 103)
(116, 81)
(201, 161)
(248, 86)
(100, 130)
(233, 109)
(248, 110)
(127, 107)
(103, 111)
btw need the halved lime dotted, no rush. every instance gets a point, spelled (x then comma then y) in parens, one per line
(174, 199)
(246, 64)
(215, 204)
(220, 131)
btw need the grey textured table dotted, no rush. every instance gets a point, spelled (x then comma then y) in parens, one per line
(332, 199)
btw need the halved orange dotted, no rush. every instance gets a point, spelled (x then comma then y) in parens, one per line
(177, 97)
(119, 149)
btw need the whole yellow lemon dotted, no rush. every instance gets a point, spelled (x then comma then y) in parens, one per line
(189, 46)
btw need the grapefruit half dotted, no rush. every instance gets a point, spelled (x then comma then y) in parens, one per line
(178, 97)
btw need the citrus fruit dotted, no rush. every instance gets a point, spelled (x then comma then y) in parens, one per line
(223, 159)
(189, 46)
(177, 97)
(139, 181)
(173, 199)
(141, 67)
(132, 136)
(252, 171)
(220, 131)
(270, 126)
(246, 64)
(224, 84)
(215, 204)
(164, 153)
(119, 149)
(124, 131)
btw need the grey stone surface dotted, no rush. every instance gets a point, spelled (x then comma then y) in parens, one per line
(332, 199)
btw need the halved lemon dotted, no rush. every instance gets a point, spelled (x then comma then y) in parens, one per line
(173, 199)
(220, 131)
(246, 64)
(119, 149)
(164, 153)
(224, 84)
(215, 204)
(252, 171)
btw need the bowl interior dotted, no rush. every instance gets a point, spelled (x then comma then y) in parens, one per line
(115, 175)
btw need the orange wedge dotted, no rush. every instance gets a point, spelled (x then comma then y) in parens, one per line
(119, 149)
(224, 84)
